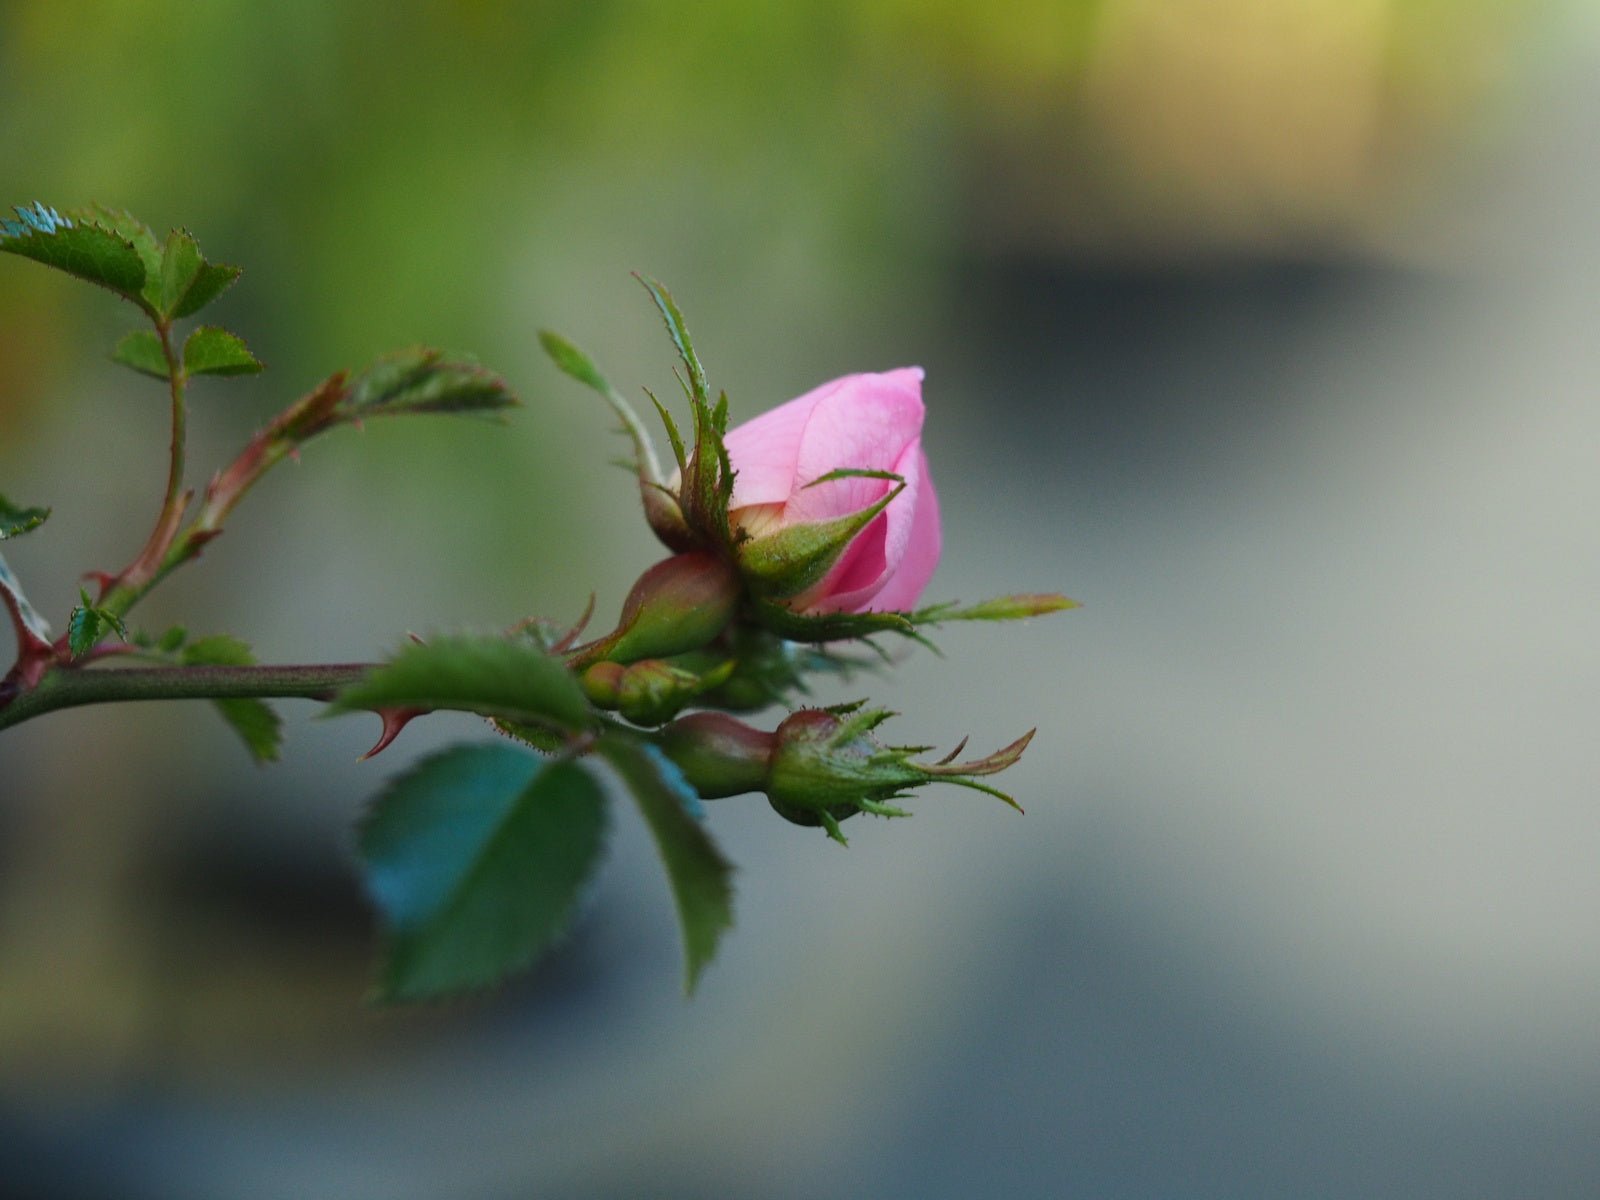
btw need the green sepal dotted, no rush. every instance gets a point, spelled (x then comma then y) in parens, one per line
(784, 621)
(701, 878)
(707, 484)
(141, 350)
(214, 351)
(80, 247)
(255, 721)
(493, 676)
(1001, 608)
(16, 521)
(475, 858)
(796, 557)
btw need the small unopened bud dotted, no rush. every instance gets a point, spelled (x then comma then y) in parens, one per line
(827, 766)
(719, 755)
(678, 605)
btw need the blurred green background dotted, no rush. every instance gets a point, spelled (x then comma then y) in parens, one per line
(1260, 327)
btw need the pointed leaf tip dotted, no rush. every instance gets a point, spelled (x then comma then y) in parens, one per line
(214, 351)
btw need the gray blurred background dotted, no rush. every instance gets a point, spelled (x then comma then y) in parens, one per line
(1266, 330)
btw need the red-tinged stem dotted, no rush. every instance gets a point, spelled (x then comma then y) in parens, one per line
(73, 687)
(120, 593)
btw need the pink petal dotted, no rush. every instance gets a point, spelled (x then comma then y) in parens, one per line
(864, 424)
(870, 570)
(764, 449)
(922, 547)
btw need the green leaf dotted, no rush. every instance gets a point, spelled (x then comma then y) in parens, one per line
(15, 521)
(181, 261)
(217, 650)
(255, 721)
(88, 624)
(475, 858)
(701, 878)
(142, 351)
(494, 676)
(81, 248)
(421, 380)
(188, 281)
(214, 351)
(139, 235)
(210, 281)
(83, 629)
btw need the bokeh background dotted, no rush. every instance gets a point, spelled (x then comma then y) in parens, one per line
(1265, 329)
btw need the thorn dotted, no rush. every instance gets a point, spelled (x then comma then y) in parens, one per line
(417, 638)
(951, 757)
(394, 720)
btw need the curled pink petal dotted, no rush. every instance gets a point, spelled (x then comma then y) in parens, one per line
(867, 422)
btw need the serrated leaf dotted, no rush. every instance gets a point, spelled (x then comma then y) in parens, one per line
(84, 627)
(16, 520)
(209, 282)
(80, 248)
(181, 261)
(494, 676)
(257, 723)
(142, 351)
(188, 281)
(214, 351)
(139, 235)
(475, 858)
(421, 380)
(700, 876)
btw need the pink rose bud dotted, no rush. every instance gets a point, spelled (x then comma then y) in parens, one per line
(850, 544)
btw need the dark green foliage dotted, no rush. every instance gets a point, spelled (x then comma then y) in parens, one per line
(421, 380)
(188, 281)
(475, 858)
(213, 351)
(494, 676)
(701, 877)
(16, 520)
(142, 351)
(81, 247)
(88, 624)
(255, 721)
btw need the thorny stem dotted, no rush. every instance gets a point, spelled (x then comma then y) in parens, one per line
(71, 688)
